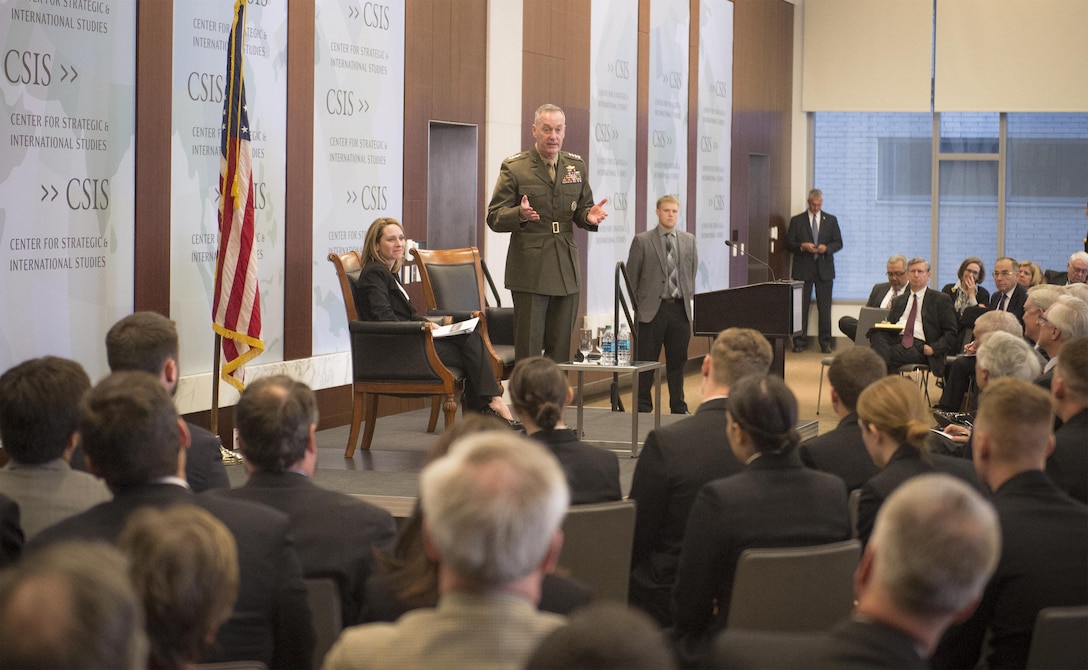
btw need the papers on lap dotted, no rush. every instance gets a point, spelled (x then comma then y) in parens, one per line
(459, 328)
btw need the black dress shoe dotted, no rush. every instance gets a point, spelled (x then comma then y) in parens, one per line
(488, 410)
(798, 348)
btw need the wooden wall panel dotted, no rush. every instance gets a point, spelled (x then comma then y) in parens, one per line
(762, 107)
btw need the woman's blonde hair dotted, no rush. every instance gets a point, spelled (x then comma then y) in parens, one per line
(1037, 276)
(371, 246)
(895, 406)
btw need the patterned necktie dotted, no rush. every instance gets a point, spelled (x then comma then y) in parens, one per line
(1001, 305)
(908, 330)
(670, 267)
(816, 229)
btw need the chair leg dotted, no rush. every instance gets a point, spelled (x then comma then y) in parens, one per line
(925, 386)
(820, 391)
(449, 410)
(356, 419)
(371, 418)
(436, 404)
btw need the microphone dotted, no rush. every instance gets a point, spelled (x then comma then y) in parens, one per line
(734, 245)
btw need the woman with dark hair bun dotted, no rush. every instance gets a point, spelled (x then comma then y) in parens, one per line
(896, 428)
(539, 392)
(774, 502)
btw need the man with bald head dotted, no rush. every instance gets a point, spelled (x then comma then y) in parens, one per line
(1044, 533)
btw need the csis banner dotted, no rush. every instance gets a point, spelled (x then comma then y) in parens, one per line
(66, 177)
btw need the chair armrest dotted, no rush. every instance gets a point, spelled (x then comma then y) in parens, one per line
(394, 351)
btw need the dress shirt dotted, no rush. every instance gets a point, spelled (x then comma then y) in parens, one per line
(919, 332)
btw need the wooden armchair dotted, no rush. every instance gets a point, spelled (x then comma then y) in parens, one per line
(394, 358)
(454, 283)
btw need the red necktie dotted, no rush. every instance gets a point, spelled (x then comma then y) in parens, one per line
(908, 330)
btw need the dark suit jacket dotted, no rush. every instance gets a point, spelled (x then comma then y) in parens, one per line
(852, 645)
(204, 468)
(808, 266)
(379, 298)
(648, 270)
(774, 502)
(11, 534)
(939, 323)
(271, 621)
(335, 534)
(841, 452)
(593, 474)
(905, 463)
(876, 296)
(1067, 466)
(1044, 554)
(675, 462)
(1015, 303)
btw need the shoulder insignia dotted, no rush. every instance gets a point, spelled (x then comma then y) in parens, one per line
(517, 156)
(570, 155)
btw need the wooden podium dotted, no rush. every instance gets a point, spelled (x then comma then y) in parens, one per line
(772, 308)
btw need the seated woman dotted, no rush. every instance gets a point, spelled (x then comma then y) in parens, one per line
(379, 296)
(968, 297)
(895, 426)
(407, 579)
(774, 502)
(539, 391)
(1029, 274)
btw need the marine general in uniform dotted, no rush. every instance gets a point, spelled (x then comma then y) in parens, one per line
(540, 196)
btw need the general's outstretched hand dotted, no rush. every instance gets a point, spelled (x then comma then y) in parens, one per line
(596, 213)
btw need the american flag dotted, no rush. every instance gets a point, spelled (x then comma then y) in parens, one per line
(236, 311)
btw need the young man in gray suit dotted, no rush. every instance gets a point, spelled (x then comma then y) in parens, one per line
(661, 266)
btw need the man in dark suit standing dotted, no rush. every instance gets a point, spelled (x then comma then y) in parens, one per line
(675, 463)
(134, 439)
(661, 265)
(1067, 465)
(148, 341)
(934, 546)
(541, 194)
(1009, 295)
(813, 239)
(882, 295)
(842, 451)
(335, 534)
(1044, 533)
(928, 323)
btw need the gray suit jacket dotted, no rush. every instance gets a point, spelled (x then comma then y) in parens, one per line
(646, 270)
(50, 493)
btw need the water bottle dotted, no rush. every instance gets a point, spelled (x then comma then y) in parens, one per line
(623, 346)
(608, 347)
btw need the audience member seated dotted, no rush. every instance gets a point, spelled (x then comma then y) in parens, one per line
(134, 439)
(335, 534)
(605, 636)
(677, 460)
(895, 426)
(1065, 320)
(148, 341)
(11, 534)
(1008, 295)
(961, 370)
(927, 321)
(408, 579)
(1078, 290)
(1067, 465)
(539, 392)
(1044, 533)
(39, 410)
(774, 502)
(493, 508)
(882, 294)
(184, 565)
(1040, 298)
(1076, 271)
(71, 606)
(969, 297)
(1028, 274)
(842, 451)
(379, 296)
(1001, 355)
(935, 543)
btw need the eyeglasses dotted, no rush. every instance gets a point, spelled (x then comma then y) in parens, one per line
(1003, 273)
(896, 274)
(1042, 321)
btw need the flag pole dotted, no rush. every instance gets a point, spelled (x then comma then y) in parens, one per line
(215, 387)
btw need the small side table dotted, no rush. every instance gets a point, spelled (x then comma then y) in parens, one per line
(634, 370)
